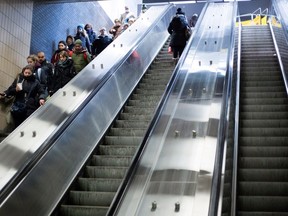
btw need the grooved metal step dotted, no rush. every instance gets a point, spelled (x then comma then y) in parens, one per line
(95, 189)
(262, 186)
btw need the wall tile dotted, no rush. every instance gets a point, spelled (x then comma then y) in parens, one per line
(15, 34)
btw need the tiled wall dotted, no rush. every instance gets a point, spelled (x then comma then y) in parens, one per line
(53, 22)
(15, 34)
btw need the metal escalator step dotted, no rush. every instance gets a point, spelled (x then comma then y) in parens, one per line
(135, 110)
(263, 95)
(268, 132)
(264, 101)
(263, 151)
(263, 57)
(154, 81)
(105, 172)
(151, 87)
(262, 83)
(140, 103)
(91, 198)
(268, 63)
(149, 92)
(118, 150)
(162, 64)
(97, 184)
(263, 123)
(263, 203)
(74, 210)
(264, 89)
(264, 163)
(262, 78)
(157, 73)
(253, 73)
(131, 124)
(264, 108)
(146, 97)
(264, 115)
(123, 140)
(139, 117)
(127, 132)
(263, 141)
(242, 213)
(104, 160)
(263, 175)
(263, 188)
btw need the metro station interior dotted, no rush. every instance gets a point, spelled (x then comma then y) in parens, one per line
(136, 133)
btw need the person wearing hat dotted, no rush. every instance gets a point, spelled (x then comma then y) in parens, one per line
(116, 29)
(102, 41)
(177, 29)
(81, 57)
(126, 15)
(82, 35)
(62, 46)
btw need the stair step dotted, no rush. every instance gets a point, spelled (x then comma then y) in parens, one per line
(103, 160)
(264, 132)
(123, 140)
(87, 198)
(263, 151)
(263, 175)
(263, 123)
(263, 141)
(263, 163)
(118, 150)
(97, 184)
(264, 115)
(105, 172)
(75, 210)
(127, 132)
(263, 203)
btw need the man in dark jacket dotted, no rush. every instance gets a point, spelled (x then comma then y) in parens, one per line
(177, 30)
(101, 42)
(44, 73)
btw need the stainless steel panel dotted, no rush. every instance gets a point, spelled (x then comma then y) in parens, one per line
(42, 188)
(174, 176)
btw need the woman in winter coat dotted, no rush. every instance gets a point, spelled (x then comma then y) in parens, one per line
(62, 46)
(64, 71)
(177, 29)
(27, 92)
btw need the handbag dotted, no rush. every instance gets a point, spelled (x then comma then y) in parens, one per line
(18, 108)
(188, 32)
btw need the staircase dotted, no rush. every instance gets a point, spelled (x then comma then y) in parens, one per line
(262, 187)
(94, 191)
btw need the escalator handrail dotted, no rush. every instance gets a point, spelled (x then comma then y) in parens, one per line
(47, 144)
(278, 54)
(236, 127)
(284, 27)
(224, 116)
(159, 109)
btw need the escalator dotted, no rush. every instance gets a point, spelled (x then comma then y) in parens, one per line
(262, 182)
(94, 191)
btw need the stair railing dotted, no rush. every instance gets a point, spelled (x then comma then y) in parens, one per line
(278, 55)
(282, 22)
(236, 128)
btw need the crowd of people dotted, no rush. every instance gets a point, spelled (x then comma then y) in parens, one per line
(41, 78)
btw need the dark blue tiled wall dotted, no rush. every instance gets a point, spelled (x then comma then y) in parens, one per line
(53, 22)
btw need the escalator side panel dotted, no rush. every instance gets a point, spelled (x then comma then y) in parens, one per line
(46, 182)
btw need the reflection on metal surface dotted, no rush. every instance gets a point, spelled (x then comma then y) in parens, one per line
(177, 166)
(44, 185)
